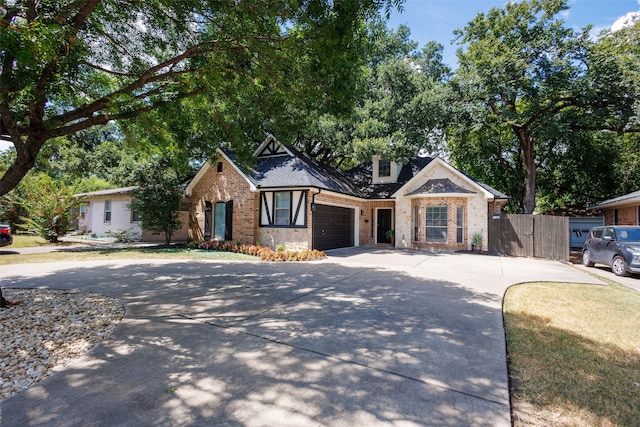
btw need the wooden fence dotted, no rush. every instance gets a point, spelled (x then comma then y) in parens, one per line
(539, 236)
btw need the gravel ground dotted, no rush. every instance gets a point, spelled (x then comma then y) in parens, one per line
(46, 330)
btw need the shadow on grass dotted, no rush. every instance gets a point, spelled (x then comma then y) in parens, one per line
(569, 377)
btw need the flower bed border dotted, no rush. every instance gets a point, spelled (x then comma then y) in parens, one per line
(263, 252)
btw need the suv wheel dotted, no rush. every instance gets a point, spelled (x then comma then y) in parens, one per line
(619, 266)
(586, 259)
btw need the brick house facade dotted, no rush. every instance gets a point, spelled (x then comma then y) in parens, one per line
(623, 210)
(287, 199)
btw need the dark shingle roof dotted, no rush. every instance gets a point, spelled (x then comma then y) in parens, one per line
(301, 170)
(439, 186)
(362, 177)
(298, 171)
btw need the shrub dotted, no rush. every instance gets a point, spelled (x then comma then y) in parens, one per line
(262, 252)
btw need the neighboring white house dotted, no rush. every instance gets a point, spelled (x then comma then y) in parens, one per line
(111, 210)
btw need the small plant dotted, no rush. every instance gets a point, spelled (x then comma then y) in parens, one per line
(281, 248)
(122, 236)
(477, 239)
(389, 234)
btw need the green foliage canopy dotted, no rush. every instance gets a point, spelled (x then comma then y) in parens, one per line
(70, 66)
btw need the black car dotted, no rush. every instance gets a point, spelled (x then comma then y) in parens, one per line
(5, 235)
(617, 246)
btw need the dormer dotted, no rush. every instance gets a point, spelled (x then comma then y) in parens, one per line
(385, 171)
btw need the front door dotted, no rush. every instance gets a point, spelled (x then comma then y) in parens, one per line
(384, 225)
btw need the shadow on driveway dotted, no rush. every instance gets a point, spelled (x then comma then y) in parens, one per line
(206, 343)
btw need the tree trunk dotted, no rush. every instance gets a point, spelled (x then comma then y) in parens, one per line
(26, 153)
(528, 161)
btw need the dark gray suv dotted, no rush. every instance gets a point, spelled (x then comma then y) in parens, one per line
(617, 246)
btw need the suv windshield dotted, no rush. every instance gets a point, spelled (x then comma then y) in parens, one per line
(628, 234)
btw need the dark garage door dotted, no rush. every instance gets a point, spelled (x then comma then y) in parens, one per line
(332, 227)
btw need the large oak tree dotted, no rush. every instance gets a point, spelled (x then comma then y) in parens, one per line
(71, 65)
(528, 85)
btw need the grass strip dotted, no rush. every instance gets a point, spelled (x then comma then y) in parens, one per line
(573, 354)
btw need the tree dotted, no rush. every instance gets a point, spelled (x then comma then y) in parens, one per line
(157, 199)
(47, 204)
(400, 110)
(70, 66)
(524, 74)
(519, 68)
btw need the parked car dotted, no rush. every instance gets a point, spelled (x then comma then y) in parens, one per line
(617, 246)
(5, 235)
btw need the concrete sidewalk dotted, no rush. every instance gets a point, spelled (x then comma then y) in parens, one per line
(363, 338)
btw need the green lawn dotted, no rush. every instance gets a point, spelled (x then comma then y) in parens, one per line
(27, 241)
(573, 354)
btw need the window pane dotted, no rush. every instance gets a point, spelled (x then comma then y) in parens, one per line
(283, 201)
(436, 224)
(384, 168)
(218, 221)
(459, 224)
(107, 211)
(416, 223)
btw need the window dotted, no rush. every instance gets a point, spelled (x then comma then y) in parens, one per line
(416, 223)
(219, 167)
(135, 216)
(219, 216)
(615, 217)
(436, 224)
(384, 168)
(83, 211)
(283, 208)
(107, 211)
(460, 224)
(208, 211)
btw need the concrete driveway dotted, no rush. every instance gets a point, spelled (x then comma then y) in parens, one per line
(363, 338)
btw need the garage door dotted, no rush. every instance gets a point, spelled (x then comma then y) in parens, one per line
(332, 227)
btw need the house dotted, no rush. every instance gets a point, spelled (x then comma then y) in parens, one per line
(287, 199)
(623, 210)
(110, 210)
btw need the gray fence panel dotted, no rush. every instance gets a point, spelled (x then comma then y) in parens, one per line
(538, 236)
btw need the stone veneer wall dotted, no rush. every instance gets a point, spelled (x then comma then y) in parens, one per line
(452, 204)
(223, 186)
(476, 213)
(368, 221)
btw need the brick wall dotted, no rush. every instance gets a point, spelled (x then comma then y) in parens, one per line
(452, 204)
(223, 186)
(627, 215)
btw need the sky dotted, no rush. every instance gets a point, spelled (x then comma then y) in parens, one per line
(437, 19)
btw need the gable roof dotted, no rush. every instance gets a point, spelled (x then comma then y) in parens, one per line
(484, 189)
(629, 198)
(295, 169)
(283, 167)
(439, 186)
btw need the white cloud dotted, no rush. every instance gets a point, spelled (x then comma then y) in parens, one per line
(626, 21)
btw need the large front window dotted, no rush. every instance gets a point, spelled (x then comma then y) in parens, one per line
(436, 224)
(283, 208)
